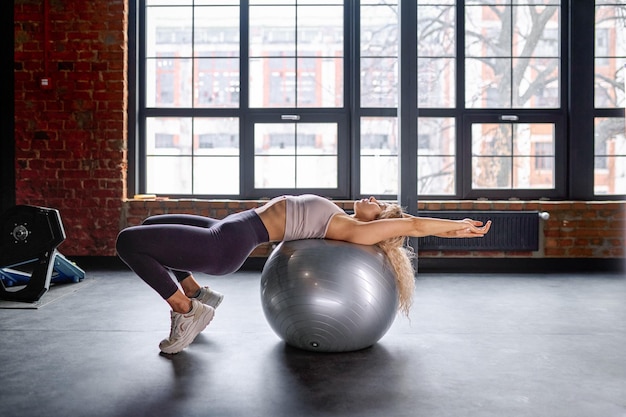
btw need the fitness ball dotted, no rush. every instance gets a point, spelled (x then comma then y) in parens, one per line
(328, 296)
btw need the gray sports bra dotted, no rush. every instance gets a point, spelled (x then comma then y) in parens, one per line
(308, 216)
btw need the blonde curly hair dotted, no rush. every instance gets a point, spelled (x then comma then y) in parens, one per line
(400, 255)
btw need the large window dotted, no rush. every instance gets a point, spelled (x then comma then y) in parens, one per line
(257, 98)
(490, 92)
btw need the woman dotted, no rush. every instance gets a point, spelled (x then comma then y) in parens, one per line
(183, 243)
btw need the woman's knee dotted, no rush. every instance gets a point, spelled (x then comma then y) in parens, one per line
(124, 242)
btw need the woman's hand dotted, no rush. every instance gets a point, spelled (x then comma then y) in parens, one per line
(471, 228)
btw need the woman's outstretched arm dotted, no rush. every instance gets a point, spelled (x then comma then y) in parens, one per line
(368, 233)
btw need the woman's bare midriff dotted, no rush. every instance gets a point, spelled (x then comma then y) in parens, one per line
(272, 214)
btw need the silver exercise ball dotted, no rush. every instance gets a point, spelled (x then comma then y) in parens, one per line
(328, 296)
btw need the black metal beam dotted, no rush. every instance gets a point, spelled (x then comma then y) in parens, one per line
(407, 107)
(581, 99)
(7, 94)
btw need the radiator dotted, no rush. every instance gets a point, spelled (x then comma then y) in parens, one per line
(510, 231)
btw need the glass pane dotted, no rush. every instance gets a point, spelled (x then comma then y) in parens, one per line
(168, 175)
(488, 31)
(435, 175)
(436, 31)
(536, 31)
(501, 30)
(492, 139)
(316, 171)
(295, 155)
(610, 76)
(610, 22)
(272, 30)
(169, 82)
(273, 82)
(379, 51)
(488, 83)
(436, 136)
(379, 31)
(610, 156)
(610, 175)
(436, 156)
(536, 81)
(379, 82)
(274, 171)
(320, 82)
(534, 160)
(610, 53)
(491, 172)
(171, 167)
(488, 170)
(526, 150)
(216, 31)
(217, 82)
(533, 139)
(316, 138)
(379, 155)
(320, 30)
(216, 175)
(169, 31)
(379, 136)
(169, 136)
(214, 136)
(379, 174)
(274, 138)
(296, 55)
(436, 82)
(436, 72)
(526, 176)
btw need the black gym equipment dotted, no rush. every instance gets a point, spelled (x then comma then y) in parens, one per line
(30, 237)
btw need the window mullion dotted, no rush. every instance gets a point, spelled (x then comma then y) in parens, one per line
(407, 106)
(581, 99)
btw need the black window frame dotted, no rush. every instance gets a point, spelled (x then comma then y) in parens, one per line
(574, 148)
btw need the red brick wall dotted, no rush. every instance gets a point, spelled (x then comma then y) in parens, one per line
(70, 139)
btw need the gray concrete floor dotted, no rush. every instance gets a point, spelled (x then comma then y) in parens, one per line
(475, 345)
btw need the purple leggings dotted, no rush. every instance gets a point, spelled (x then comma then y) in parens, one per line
(181, 243)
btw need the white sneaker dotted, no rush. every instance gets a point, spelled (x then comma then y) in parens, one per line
(185, 327)
(209, 297)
